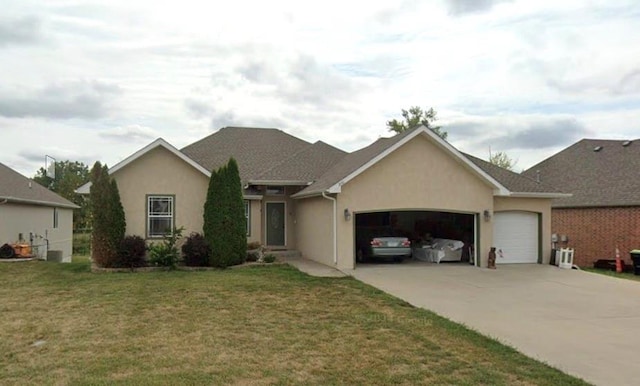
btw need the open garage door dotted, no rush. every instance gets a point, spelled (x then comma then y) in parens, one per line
(374, 231)
(516, 237)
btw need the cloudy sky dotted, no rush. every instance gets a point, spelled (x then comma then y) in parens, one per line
(97, 80)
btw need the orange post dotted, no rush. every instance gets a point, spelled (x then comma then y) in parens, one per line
(618, 261)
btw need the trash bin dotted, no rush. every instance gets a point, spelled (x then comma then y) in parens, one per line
(635, 257)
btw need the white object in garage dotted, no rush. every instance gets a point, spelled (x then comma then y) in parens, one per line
(515, 236)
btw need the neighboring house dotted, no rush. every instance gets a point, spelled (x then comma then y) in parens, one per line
(604, 211)
(31, 212)
(316, 198)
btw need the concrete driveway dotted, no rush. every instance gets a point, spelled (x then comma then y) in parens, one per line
(585, 324)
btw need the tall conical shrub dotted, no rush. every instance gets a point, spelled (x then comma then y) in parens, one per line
(108, 217)
(224, 221)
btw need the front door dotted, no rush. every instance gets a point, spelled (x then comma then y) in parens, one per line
(275, 223)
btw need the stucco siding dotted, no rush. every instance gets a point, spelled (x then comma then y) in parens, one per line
(314, 229)
(417, 176)
(255, 222)
(26, 219)
(161, 172)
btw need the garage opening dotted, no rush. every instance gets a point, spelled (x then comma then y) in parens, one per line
(416, 235)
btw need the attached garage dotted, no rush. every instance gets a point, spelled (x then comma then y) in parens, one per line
(421, 227)
(416, 175)
(516, 236)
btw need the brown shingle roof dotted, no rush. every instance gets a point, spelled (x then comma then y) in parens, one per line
(254, 149)
(14, 187)
(305, 165)
(516, 183)
(608, 177)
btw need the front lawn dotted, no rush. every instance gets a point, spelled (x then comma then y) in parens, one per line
(61, 324)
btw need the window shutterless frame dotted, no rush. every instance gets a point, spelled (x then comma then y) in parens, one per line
(160, 215)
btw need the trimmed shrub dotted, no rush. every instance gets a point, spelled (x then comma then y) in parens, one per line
(132, 252)
(196, 251)
(165, 253)
(270, 258)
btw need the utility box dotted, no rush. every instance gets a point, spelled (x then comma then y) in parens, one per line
(55, 256)
(635, 257)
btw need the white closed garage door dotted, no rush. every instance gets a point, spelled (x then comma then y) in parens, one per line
(515, 236)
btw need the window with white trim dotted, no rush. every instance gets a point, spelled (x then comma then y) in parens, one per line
(55, 218)
(247, 216)
(160, 215)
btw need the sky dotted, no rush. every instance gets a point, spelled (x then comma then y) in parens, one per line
(99, 80)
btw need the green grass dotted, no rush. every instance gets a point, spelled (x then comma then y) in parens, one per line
(624, 275)
(261, 325)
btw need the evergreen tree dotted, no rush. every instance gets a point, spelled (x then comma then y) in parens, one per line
(237, 233)
(212, 222)
(108, 217)
(224, 221)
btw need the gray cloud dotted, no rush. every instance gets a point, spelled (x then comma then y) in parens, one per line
(303, 81)
(629, 83)
(226, 118)
(539, 135)
(35, 157)
(198, 108)
(26, 30)
(129, 133)
(461, 7)
(80, 99)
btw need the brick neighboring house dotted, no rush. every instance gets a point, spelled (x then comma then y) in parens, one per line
(604, 211)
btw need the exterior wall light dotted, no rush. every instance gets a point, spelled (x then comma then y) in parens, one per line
(347, 214)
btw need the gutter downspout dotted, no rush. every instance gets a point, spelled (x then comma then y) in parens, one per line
(335, 227)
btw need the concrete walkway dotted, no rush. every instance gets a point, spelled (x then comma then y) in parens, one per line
(585, 324)
(313, 268)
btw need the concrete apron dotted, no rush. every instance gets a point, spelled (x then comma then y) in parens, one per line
(585, 324)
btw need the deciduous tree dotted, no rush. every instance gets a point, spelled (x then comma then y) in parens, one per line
(69, 176)
(413, 117)
(503, 160)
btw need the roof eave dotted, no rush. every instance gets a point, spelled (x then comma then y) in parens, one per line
(539, 195)
(303, 194)
(38, 202)
(498, 187)
(280, 182)
(84, 189)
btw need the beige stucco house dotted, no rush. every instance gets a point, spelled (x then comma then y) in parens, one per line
(34, 215)
(314, 197)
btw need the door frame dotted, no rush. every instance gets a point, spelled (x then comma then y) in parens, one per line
(266, 222)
